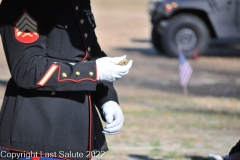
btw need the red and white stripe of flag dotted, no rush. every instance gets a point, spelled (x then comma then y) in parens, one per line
(185, 72)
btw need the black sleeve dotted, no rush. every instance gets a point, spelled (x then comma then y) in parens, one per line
(28, 64)
(1, 20)
(105, 92)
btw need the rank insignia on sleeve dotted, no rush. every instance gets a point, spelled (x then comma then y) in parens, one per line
(26, 29)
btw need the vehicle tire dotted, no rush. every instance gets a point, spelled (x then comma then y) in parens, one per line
(156, 40)
(188, 31)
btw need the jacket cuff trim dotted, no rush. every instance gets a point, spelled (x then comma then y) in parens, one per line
(51, 71)
(74, 80)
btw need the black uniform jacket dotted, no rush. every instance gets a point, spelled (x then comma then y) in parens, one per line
(49, 104)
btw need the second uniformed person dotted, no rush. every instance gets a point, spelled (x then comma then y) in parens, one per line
(59, 74)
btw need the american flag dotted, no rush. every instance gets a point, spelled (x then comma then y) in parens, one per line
(185, 70)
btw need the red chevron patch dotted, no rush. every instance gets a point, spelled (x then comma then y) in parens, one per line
(26, 29)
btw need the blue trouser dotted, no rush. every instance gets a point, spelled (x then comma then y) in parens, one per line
(3, 157)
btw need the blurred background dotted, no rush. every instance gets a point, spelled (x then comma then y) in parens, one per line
(161, 122)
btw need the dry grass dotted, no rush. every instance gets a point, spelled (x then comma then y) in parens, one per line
(167, 126)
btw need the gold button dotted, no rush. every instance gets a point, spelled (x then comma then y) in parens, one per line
(53, 93)
(64, 75)
(76, 7)
(78, 73)
(89, 49)
(91, 74)
(85, 35)
(81, 21)
(66, 26)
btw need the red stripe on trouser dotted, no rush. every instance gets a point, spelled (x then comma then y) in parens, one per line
(90, 127)
(35, 158)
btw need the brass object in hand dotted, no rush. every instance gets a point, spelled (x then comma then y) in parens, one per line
(123, 62)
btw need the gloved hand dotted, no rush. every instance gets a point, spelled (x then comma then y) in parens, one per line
(109, 70)
(114, 117)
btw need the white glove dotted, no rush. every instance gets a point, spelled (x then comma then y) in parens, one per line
(215, 157)
(114, 117)
(109, 70)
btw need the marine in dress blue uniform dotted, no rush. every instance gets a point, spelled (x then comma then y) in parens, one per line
(51, 50)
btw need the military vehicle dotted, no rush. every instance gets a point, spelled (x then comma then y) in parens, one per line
(191, 24)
